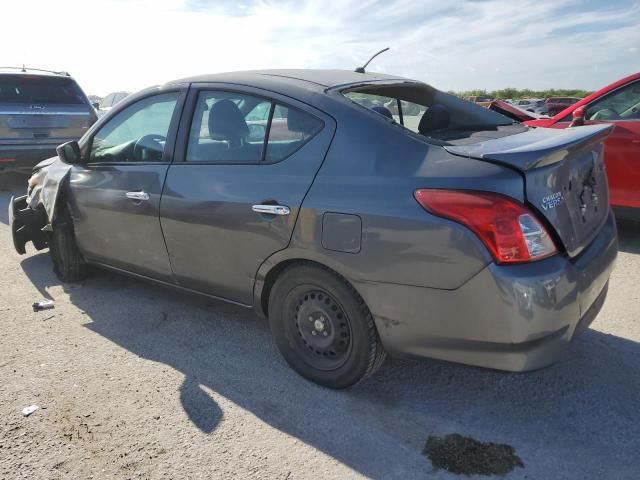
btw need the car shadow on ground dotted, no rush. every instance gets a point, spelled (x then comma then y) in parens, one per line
(582, 412)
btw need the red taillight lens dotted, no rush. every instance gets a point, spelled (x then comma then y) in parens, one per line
(509, 230)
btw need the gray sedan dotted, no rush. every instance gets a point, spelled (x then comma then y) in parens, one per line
(439, 229)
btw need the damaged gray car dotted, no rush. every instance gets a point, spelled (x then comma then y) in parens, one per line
(435, 228)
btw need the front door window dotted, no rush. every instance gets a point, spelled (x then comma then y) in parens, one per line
(136, 134)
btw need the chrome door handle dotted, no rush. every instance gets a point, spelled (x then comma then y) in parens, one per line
(271, 209)
(138, 196)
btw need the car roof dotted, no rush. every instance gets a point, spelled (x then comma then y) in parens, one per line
(31, 72)
(309, 79)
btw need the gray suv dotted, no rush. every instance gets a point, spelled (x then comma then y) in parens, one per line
(440, 229)
(39, 110)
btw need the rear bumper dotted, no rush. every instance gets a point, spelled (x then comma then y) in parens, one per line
(26, 225)
(516, 318)
(22, 158)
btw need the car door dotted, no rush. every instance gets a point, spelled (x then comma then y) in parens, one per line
(622, 148)
(245, 159)
(115, 194)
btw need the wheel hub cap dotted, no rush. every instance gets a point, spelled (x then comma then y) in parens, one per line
(323, 330)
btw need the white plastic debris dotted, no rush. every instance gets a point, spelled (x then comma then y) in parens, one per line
(43, 305)
(29, 410)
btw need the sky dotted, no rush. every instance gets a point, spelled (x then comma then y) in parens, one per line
(112, 45)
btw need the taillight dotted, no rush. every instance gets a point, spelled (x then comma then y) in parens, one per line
(508, 229)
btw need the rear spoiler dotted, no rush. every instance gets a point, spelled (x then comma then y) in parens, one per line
(534, 148)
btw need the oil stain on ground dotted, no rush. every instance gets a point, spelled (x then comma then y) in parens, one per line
(467, 456)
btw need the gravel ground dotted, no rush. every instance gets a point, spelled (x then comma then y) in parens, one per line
(136, 381)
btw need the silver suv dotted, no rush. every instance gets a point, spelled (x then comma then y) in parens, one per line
(39, 110)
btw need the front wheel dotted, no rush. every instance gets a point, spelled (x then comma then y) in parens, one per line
(68, 263)
(323, 328)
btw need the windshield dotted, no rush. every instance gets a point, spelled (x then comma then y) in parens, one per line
(40, 90)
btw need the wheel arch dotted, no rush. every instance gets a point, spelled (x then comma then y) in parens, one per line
(273, 267)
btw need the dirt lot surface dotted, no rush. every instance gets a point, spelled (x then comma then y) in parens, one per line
(136, 381)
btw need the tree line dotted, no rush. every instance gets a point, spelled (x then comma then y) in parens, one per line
(524, 93)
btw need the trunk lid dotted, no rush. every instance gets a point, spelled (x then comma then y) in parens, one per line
(565, 178)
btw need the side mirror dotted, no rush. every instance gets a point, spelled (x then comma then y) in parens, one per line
(578, 117)
(96, 105)
(69, 152)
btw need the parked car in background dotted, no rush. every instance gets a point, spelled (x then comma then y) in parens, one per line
(110, 101)
(39, 110)
(557, 104)
(481, 100)
(617, 104)
(532, 105)
(355, 233)
(512, 111)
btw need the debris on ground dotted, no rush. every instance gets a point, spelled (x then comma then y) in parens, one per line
(467, 456)
(43, 305)
(29, 410)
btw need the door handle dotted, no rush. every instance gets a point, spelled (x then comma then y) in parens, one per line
(137, 196)
(271, 209)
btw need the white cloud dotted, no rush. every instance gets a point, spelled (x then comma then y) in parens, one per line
(116, 44)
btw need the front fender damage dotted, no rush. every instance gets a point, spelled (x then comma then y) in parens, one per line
(31, 216)
(45, 186)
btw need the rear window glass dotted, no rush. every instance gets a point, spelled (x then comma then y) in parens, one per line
(427, 111)
(40, 90)
(403, 112)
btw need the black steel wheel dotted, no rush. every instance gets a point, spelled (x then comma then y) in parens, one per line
(322, 327)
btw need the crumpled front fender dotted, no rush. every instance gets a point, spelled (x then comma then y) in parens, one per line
(45, 186)
(32, 215)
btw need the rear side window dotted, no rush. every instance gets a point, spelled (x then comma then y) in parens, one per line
(236, 128)
(290, 128)
(33, 89)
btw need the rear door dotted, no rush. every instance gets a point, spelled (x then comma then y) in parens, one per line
(245, 160)
(622, 149)
(115, 196)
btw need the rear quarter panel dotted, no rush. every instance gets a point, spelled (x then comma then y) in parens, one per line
(371, 171)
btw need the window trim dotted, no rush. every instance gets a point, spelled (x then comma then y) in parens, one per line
(182, 141)
(267, 132)
(167, 156)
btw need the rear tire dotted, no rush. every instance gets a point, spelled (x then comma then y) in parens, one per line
(68, 263)
(323, 328)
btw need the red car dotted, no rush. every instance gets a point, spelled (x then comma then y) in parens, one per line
(618, 104)
(555, 105)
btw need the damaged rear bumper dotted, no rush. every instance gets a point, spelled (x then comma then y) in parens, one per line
(516, 317)
(26, 225)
